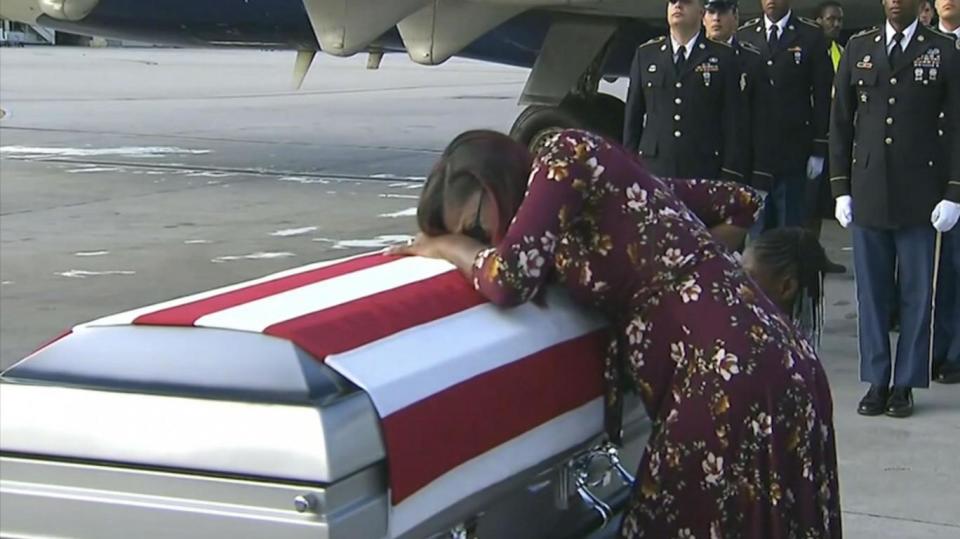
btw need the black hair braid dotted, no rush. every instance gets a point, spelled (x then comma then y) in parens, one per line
(797, 253)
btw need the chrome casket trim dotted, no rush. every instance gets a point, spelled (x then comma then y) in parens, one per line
(289, 442)
(78, 500)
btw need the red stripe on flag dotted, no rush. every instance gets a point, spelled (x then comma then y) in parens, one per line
(368, 319)
(435, 435)
(188, 313)
(53, 340)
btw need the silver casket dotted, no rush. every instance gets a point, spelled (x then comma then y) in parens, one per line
(364, 397)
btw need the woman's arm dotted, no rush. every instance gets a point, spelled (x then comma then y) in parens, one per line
(719, 203)
(513, 271)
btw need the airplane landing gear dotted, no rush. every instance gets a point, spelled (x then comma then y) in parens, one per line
(600, 113)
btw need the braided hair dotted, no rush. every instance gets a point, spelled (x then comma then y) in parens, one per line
(796, 253)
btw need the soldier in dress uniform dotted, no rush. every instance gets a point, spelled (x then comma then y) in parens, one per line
(891, 183)
(720, 23)
(683, 106)
(795, 53)
(946, 333)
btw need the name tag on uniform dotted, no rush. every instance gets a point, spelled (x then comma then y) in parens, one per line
(797, 54)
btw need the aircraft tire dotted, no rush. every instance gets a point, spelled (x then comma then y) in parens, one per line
(537, 122)
(601, 113)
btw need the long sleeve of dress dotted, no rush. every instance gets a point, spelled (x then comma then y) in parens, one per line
(513, 271)
(718, 203)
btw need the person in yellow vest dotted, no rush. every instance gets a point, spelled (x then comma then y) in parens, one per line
(830, 18)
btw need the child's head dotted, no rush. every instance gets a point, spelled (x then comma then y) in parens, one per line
(788, 264)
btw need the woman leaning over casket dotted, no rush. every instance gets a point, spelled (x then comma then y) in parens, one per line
(742, 442)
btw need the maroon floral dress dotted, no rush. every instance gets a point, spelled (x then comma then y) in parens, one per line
(742, 442)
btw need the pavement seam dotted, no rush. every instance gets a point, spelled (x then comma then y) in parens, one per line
(901, 519)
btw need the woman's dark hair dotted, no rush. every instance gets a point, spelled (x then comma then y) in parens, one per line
(796, 253)
(475, 160)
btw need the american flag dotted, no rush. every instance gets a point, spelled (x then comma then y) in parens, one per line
(469, 394)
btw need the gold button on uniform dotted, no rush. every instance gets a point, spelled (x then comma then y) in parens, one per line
(679, 85)
(678, 101)
(889, 121)
(676, 117)
(677, 134)
(888, 141)
(892, 101)
(893, 81)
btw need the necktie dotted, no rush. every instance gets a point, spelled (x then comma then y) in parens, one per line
(774, 39)
(897, 49)
(680, 58)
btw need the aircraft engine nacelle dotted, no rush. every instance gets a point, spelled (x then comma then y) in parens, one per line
(346, 27)
(67, 10)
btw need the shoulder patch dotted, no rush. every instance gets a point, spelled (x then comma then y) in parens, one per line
(749, 23)
(660, 39)
(865, 33)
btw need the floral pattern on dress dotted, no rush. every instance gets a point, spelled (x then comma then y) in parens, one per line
(742, 444)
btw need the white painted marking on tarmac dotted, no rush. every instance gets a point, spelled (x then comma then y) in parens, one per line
(197, 242)
(27, 152)
(289, 232)
(383, 176)
(305, 181)
(5, 283)
(379, 241)
(415, 186)
(94, 169)
(211, 174)
(91, 253)
(409, 212)
(83, 274)
(391, 195)
(260, 255)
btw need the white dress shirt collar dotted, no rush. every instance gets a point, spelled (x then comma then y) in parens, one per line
(908, 33)
(688, 46)
(781, 24)
(955, 31)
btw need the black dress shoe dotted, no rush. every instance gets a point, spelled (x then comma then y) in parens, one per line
(947, 374)
(900, 403)
(874, 402)
(833, 267)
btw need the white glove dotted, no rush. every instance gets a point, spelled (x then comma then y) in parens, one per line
(945, 215)
(844, 210)
(814, 167)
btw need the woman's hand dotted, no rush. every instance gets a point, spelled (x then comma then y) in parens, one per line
(421, 245)
(458, 249)
(729, 235)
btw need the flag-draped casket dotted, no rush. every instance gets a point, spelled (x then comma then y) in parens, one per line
(364, 397)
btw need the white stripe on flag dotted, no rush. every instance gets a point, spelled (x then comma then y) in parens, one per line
(262, 313)
(416, 363)
(128, 317)
(500, 463)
